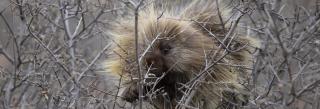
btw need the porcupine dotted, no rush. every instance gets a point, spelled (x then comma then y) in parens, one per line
(174, 48)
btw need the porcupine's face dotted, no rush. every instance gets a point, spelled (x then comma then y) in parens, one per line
(176, 47)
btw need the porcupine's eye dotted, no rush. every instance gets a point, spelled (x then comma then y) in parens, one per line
(165, 49)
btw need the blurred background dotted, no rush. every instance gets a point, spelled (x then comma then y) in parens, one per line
(51, 53)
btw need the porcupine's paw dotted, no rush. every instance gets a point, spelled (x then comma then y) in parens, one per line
(130, 94)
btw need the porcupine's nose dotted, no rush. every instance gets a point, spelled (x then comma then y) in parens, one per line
(154, 62)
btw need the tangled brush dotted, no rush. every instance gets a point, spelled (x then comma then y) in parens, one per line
(189, 58)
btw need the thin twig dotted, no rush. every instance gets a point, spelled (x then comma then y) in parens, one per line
(140, 85)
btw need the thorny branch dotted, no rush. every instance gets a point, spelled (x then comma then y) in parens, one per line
(140, 84)
(56, 48)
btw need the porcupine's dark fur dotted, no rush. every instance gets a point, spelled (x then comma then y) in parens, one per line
(177, 47)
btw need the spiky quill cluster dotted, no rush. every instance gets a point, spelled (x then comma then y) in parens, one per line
(180, 54)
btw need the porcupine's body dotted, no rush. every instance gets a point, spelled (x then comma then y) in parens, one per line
(177, 48)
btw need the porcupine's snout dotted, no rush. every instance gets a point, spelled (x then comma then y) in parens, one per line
(155, 63)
